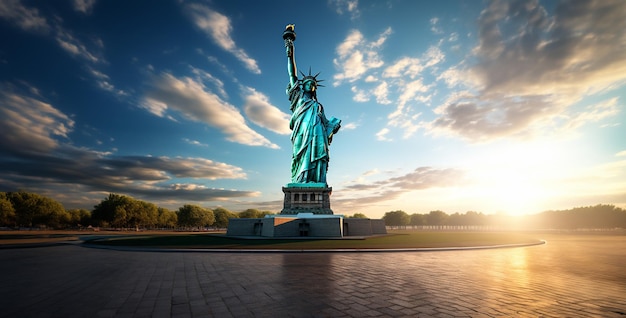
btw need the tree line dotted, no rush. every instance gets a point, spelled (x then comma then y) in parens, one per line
(600, 216)
(31, 210)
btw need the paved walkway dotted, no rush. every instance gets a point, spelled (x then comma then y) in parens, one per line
(570, 276)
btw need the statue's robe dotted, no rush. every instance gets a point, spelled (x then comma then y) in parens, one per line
(311, 134)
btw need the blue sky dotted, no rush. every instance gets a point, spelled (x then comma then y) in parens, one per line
(503, 106)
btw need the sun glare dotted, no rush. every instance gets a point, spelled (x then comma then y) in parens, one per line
(519, 179)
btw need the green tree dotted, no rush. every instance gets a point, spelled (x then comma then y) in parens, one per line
(123, 211)
(120, 216)
(79, 217)
(436, 218)
(250, 214)
(104, 212)
(396, 218)
(456, 219)
(358, 216)
(264, 213)
(35, 210)
(7, 212)
(598, 216)
(475, 218)
(253, 214)
(195, 216)
(221, 217)
(167, 218)
(417, 219)
(20, 201)
(142, 214)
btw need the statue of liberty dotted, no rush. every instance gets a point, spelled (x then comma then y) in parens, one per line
(311, 131)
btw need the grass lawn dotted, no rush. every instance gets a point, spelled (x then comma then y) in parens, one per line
(217, 240)
(396, 239)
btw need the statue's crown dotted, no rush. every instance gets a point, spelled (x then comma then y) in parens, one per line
(311, 78)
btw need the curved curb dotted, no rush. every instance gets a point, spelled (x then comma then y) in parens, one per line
(31, 245)
(356, 250)
(39, 244)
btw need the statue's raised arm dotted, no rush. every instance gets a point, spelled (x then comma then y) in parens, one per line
(290, 36)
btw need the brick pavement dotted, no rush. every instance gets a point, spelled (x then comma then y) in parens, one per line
(570, 276)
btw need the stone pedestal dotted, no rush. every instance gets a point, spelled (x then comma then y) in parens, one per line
(303, 225)
(298, 225)
(306, 198)
(306, 213)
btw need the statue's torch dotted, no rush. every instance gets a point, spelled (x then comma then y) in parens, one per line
(289, 36)
(289, 33)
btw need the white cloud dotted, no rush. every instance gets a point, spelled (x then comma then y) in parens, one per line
(412, 67)
(33, 19)
(454, 37)
(352, 41)
(75, 47)
(570, 52)
(218, 27)
(382, 93)
(261, 112)
(453, 77)
(27, 18)
(381, 39)
(350, 7)
(406, 66)
(154, 106)
(404, 76)
(433, 56)
(382, 134)
(364, 193)
(360, 181)
(371, 172)
(30, 125)
(104, 82)
(482, 121)
(93, 173)
(198, 168)
(359, 95)
(356, 56)
(84, 6)
(99, 75)
(594, 113)
(187, 186)
(549, 63)
(403, 116)
(189, 98)
(36, 153)
(195, 142)
(410, 92)
(435, 27)
(205, 77)
(370, 79)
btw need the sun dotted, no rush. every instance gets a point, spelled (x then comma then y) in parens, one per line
(516, 192)
(518, 178)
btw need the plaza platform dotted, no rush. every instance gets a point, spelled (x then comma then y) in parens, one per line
(563, 278)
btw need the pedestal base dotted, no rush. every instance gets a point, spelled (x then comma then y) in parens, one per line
(306, 213)
(305, 225)
(306, 198)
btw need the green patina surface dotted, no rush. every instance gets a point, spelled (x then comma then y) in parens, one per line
(307, 185)
(311, 131)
